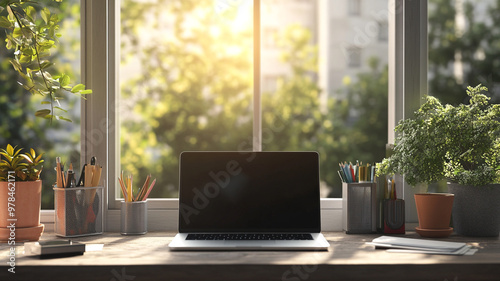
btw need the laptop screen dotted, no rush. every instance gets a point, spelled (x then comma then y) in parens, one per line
(249, 192)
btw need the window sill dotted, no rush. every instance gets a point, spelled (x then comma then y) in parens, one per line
(166, 219)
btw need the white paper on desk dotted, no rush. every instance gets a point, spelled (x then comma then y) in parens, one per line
(467, 251)
(421, 246)
(93, 247)
(415, 244)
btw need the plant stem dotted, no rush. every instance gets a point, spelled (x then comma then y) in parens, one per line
(45, 80)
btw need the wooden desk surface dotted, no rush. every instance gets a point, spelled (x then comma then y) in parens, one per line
(147, 257)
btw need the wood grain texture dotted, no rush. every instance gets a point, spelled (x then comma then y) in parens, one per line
(147, 257)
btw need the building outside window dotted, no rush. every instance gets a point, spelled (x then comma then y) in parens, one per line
(354, 7)
(354, 57)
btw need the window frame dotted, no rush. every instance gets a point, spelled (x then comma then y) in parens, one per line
(100, 66)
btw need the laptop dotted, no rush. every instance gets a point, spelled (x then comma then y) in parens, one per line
(249, 201)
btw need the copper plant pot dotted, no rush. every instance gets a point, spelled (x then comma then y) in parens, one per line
(24, 213)
(434, 210)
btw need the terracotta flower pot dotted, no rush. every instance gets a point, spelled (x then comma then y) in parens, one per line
(434, 213)
(24, 214)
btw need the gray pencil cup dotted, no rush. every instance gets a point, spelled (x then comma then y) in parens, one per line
(134, 218)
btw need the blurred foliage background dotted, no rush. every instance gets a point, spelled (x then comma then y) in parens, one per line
(190, 88)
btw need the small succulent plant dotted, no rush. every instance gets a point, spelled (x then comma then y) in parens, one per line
(25, 166)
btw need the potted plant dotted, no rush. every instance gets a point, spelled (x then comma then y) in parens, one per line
(458, 143)
(20, 195)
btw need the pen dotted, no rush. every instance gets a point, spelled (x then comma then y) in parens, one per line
(81, 180)
(63, 177)
(58, 172)
(71, 181)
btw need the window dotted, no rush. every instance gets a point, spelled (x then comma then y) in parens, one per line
(312, 107)
(185, 84)
(462, 48)
(383, 31)
(312, 79)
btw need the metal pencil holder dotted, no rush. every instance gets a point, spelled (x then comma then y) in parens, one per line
(78, 211)
(134, 218)
(359, 207)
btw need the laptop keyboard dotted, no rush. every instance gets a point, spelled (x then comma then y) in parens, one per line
(251, 236)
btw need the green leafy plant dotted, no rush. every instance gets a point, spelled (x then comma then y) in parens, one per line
(459, 143)
(23, 165)
(32, 34)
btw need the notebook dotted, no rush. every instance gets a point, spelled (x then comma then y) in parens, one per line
(249, 201)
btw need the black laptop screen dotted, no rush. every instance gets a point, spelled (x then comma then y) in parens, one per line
(249, 192)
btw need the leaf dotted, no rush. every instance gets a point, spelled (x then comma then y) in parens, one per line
(9, 10)
(45, 15)
(78, 88)
(45, 102)
(37, 160)
(64, 80)
(45, 64)
(17, 66)
(10, 149)
(28, 51)
(57, 107)
(86, 92)
(31, 13)
(27, 157)
(5, 22)
(25, 59)
(42, 113)
(65, 119)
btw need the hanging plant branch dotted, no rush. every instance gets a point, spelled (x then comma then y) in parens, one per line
(33, 36)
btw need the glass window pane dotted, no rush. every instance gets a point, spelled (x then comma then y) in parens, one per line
(464, 38)
(185, 84)
(20, 127)
(331, 83)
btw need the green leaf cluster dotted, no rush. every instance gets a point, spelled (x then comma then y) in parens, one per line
(459, 143)
(23, 165)
(32, 32)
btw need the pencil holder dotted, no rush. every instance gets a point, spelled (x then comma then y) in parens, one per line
(78, 211)
(359, 207)
(134, 218)
(394, 216)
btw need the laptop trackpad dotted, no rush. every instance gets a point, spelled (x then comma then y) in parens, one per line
(237, 243)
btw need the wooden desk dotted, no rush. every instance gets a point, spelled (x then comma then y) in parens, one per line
(148, 258)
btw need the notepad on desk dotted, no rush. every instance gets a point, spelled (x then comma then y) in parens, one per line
(421, 246)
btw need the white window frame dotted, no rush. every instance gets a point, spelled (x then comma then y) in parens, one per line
(100, 21)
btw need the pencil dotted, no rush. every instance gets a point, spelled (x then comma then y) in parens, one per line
(122, 186)
(144, 188)
(129, 189)
(149, 190)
